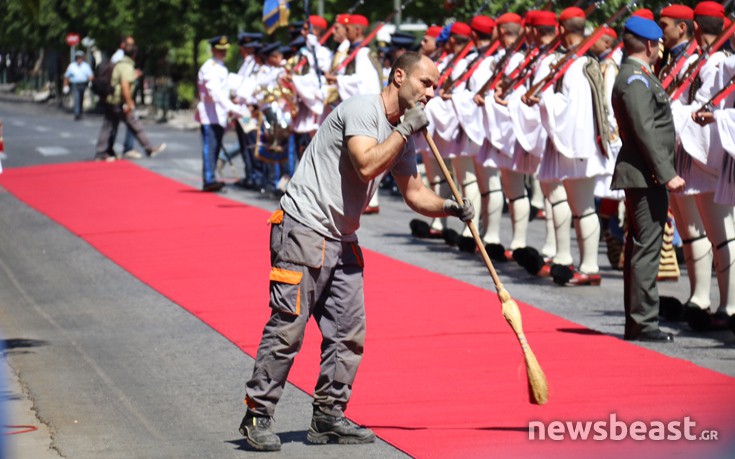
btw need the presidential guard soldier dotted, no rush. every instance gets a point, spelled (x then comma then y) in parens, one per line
(694, 208)
(317, 266)
(213, 110)
(576, 165)
(645, 169)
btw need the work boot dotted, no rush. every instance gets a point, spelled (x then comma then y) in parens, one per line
(325, 428)
(257, 430)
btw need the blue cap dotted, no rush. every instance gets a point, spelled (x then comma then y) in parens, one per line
(245, 37)
(286, 50)
(402, 40)
(643, 28)
(252, 45)
(298, 42)
(444, 35)
(269, 48)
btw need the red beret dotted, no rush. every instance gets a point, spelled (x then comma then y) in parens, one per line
(434, 31)
(678, 12)
(543, 18)
(461, 29)
(318, 21)
(644, 13)
(509, 18)
(713, 9)
(528, 17)
(610, 32)
(342, 19)
(572, 12)
(482, 24)
(359, 19)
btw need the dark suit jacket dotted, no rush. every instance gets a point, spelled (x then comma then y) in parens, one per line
(642, 109)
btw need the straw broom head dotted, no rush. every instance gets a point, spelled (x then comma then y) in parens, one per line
(538, 390)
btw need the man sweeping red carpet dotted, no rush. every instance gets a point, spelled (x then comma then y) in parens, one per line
(317, 264)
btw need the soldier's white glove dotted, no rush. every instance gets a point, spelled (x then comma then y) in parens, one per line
(465, 212)
(414, 120)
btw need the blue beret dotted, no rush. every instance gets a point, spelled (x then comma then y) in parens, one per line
(444, 35)
(245, 37)
(643, 28)
(269, 48)
(219, 42)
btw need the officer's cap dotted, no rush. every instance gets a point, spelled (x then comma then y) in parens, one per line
(298, 42)
(256, 45)
(643, 28)
(269, 48)
(246, 37)
(219, 42)
(402, 40)
(79, 53)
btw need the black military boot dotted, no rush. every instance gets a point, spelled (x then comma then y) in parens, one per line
(257, 430)
(326, 428)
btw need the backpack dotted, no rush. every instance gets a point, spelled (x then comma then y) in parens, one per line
(102, 83)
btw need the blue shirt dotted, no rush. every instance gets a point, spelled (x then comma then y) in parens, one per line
(78, 73)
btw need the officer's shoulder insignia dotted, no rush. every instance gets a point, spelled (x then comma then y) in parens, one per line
(635, 77)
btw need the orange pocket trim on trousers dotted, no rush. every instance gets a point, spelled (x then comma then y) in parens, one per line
(276, 218)
(288, 277)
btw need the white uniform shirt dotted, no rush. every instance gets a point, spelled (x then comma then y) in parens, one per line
(78, 73)
(214, 94)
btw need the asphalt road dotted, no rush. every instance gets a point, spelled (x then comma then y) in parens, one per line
(116, 370)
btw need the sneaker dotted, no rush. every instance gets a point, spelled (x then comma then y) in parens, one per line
(258, 433)
(326, 428)
(132, 154)
(157, 150)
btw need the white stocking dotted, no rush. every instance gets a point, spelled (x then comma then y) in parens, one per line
(581, 194)
(697, 248)
(562, 218)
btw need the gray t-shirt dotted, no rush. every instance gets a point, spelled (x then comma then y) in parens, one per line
(325, 193)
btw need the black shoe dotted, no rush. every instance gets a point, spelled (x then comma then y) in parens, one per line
(719, 321)
(670, 309)
(656, 336)
(257, 430)
(698, 319)
(213, 187)
(326, 428)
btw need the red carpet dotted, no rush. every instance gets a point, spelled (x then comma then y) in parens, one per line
(442, 375)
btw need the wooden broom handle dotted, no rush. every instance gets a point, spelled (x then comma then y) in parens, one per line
(458, 198)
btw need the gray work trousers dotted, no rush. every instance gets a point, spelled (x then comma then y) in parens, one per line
(319, 277)
(113, 116)
(647, 210)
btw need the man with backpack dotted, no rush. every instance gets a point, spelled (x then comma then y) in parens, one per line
(119, 106)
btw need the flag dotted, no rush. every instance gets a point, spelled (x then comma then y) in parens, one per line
(275, 14)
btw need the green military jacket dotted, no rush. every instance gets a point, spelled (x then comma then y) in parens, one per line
(643, 111)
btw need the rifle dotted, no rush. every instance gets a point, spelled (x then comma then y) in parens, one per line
(560, 67)
(297, 68)
(672, 69)
(693, 70)
(718, 97)
(450, 66)
(501, 66)
(519, 76)
(366, 41)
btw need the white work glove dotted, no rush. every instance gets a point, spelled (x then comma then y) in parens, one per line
(465, 212)
(414, 120)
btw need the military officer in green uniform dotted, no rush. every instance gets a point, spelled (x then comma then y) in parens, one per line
(645, 170)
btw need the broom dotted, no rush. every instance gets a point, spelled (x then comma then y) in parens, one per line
(537, 386)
